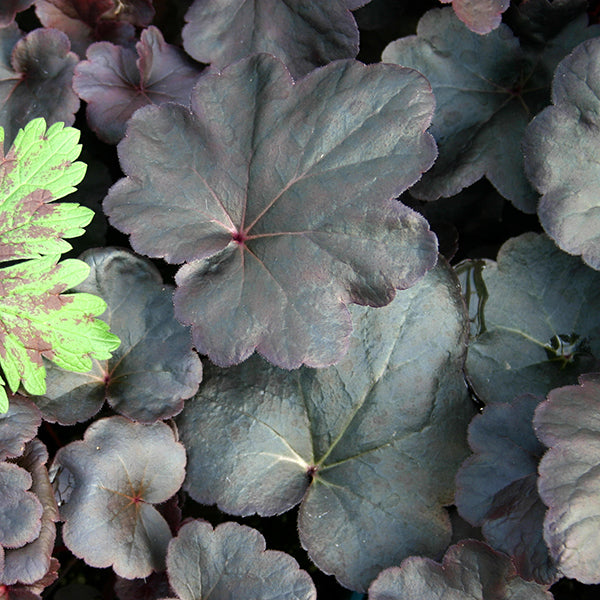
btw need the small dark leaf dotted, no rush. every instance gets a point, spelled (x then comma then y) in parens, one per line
(115, 81)
(153, 370)
(470, 571)
(568, 423)
(277, 195)
(154, 587)
(496, 486)
(118, 472)
(231, 562)
(480, 16)
(542, 321)
(304, 35)
(9, 9)
(18, 426)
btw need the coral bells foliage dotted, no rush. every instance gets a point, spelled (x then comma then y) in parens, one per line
(334, 325)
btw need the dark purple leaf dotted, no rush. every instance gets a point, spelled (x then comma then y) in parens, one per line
(470, 570)
(304, 35)
(277, 195)
(35, 76)
(369, 446)
(18, 426)
(117, 473)
(32, 565)
(154, 587)
(88, 21)
(561, 147)
(496, 486)
(20, 510)
(541, 321)
(480, 16)
(231, 562)
(487, 89)
(153, 370)
(568, 423)
(9, 9)
(115, 81)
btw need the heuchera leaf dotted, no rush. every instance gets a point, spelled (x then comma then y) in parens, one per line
(116, 81)
(277, 195)
(480, 16)
(117, 473)
(17, 426)
(32, 567)
(496, 487)
(561, 147)
(470, 570)
(9, 9)
(487, 88)
(154, 368)
(91, 21)
(370, 446)
(231, 562)
(221, 32)
(542, 321)
(568, 424)
(35, 76)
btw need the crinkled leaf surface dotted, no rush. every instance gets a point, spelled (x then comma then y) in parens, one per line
(35, 79)
(32, 565)
(116, 474)
(17, 426)
(470, 570)
(496, 487)
(561, 147)
(277, 194)
(10, 8)
(487, 88)
(542, 321)
(153, 370)
(221, 32)
(370, 446)
(568, 423)
(231, 562)
(20, 510)
(116, 81)
(90, 21)
(480, 16)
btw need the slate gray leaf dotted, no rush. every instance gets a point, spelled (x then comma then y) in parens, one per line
(31, 566)
(231, 562)
(32, 591)
(154, 369)
(470, 570)
(222, 32)
(542, 321)
(369, 447)
(480, 16)
(561, 147)
(10, 8)
(278, 197)
(118, 472)
(496, 487)
(487, 89)
(18, 426)
(35, 79)
(116, 81)
(567, 422)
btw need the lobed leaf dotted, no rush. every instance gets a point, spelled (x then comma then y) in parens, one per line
(117, 474)
(277, 196)
(480, 16)
(17, 426)
(369, 446)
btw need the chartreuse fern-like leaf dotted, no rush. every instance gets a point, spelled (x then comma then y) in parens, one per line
(37, 320)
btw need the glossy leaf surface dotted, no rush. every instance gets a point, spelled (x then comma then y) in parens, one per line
(115, 476)
(496, 487)
(116, 81)
(542, 324)
(221, 32)
(231, 562)
(277, 195)
(153, 370)
(561, 146)
(568, 424)
(470, 571)
(370, 446)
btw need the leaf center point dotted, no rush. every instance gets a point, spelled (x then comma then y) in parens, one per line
(239, 237)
